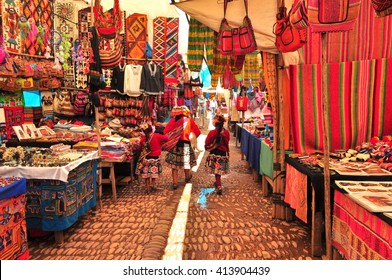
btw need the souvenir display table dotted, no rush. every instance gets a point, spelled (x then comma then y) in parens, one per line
(305, 191)
(13, 234)
(358, 234)
(57, 196)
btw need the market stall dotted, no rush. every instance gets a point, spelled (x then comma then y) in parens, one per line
(13, 234)
(56, 195)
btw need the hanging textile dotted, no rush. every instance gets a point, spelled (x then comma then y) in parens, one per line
(65, 18)
(219, 64)
(269, 67)
(10, 21)
(83, 66)
(252, 67)
(171, 57)
(365, 41)
(39, 14)
(382, 124)
(136, 35)
(357, 104)
(159, 39)
(200, 37)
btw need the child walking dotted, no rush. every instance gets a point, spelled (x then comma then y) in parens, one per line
(217, 143)
(149, 165)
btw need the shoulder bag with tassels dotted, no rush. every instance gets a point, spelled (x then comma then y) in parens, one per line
(107, 22)
(288, 37)
(237, 41)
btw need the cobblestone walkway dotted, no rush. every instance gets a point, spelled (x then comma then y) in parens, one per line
(236, 225)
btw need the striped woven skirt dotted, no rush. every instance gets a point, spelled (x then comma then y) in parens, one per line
(181, 157)
(216, 164)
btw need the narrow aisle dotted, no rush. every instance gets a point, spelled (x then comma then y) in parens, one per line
(238, 224)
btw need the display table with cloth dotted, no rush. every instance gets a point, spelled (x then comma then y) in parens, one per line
(305, 191)
(358, 234)
(57, 196)
(13, 234)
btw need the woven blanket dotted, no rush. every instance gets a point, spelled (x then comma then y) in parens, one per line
(171, 46)
(296, 192)
(67, 14)
(200, 37)
(84, 20)
(382, 124)
(357, 103)
(136, 35)
(358, 234)
(159, 39)
(252, 67)
(365, 41)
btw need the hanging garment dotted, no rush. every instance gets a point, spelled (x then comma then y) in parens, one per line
(252, 68)
(152, 78)
(132, 79)
(118, 78)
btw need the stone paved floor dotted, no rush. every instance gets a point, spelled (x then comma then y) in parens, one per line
(236, 225)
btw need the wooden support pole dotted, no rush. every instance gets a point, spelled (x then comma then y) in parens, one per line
(242, 123)
(327, 183)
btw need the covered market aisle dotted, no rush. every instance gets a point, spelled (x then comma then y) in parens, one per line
(236, 225)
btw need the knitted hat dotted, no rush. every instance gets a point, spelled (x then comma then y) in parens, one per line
(180, 110)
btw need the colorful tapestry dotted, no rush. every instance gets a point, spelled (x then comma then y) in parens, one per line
(11, 12)
(171, 58)
(270, 76)
(200, 37)
(356, 101)
(53, 205)
(66, 18)
(83, 66)
(382, 114)
(159, 46)
(39, 15)
(296, 193)
(136, 35)
(358, 234)
(366, 41)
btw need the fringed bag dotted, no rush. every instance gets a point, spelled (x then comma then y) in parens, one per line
(107, 23)
(333, 16)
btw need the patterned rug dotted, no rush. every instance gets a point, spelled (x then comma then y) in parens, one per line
(65, 16)
(136, 35)
(171, 59)
(159, 39)
(84, 20)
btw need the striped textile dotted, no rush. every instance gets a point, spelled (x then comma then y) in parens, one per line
(332, 16)
(296, 193)
(136, 35)
(199, 37)
(359, 234)
(382, 7)
(171, 57)
(365, 41)
(251, 69)
(357, 103)
(159, 39)
(382, 115)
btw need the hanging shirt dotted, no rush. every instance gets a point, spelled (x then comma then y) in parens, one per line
(132, 79)
(152, 79)
(118, 79)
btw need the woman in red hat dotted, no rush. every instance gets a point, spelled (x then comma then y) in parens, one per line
(180, 152)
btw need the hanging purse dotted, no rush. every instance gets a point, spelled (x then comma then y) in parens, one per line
(237, 41)
(107, 23)
(112, 56)
(333, 16)
(288, 38)
(299, 15)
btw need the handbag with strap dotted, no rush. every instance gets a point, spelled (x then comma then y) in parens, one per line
(239, 40)
(110, 58)
(382, 7)
(288, 38)
(107, 23)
